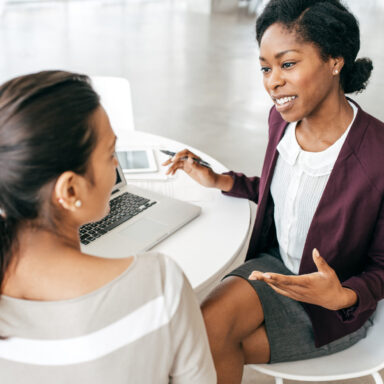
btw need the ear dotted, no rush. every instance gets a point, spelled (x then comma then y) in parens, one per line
(68, 190)
(336, 65)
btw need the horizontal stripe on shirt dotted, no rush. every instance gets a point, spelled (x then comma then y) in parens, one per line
(144, 320)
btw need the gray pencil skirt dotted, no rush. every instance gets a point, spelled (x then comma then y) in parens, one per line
(288, 326)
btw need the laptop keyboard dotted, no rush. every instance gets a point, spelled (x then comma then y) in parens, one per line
(123, 207)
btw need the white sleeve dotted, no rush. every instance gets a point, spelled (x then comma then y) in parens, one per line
(193, 363)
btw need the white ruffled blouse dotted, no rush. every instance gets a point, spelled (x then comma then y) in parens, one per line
(298, 183)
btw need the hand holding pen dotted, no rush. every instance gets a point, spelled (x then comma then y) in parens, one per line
(185, 157)
(198, 169)
(191, 164)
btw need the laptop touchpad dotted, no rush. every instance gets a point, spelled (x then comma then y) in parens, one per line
(142, 231)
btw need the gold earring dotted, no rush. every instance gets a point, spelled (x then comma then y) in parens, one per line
(78, 203)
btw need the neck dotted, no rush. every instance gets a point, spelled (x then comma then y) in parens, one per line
(35, 243)
(330, 119)
(38, 253)
(324, 126)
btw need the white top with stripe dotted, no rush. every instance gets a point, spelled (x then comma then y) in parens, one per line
(143, 327)
(298, 183)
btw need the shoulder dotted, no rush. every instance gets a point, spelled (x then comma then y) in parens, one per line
(373, 140)
(369, 125)
(149, 274)
(152, 279)
(146, 263)
(152, 271)
(367, 143)
(160, 268)
(165, 277)
(157, 262)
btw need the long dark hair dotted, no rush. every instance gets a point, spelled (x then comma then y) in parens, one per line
(45, 130)
(330, 26)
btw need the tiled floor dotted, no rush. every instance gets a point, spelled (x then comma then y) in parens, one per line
(194, 77)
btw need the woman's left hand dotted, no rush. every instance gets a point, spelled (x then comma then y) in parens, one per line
(321, 288)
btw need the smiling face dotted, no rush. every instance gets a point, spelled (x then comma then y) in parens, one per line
(296, 77)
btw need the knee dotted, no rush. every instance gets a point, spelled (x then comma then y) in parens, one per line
(220, 314)
(213, 315)
(232, 310)
(217, 323)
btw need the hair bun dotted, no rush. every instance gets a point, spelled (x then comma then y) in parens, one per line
(356, 78)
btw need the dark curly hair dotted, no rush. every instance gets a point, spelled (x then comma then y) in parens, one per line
(330, 26)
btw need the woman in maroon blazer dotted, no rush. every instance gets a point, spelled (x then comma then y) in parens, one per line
(268, 310)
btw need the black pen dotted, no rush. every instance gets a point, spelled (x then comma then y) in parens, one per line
(195, 159)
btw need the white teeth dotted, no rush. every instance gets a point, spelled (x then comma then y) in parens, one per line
(284, 100)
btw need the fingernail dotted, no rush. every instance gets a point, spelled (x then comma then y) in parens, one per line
(267, 276)
(316, 252)
(252, 276)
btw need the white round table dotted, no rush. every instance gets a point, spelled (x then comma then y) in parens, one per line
(213, 243)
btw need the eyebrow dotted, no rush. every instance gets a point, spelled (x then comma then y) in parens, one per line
(282, 53)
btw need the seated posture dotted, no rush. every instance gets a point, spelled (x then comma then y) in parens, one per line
(314, 270)
(65, 316)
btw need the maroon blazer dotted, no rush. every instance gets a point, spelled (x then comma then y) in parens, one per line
(347, 227)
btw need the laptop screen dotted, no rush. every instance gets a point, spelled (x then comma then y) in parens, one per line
(120, 179)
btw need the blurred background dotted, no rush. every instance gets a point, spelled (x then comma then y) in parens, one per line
(192, 65)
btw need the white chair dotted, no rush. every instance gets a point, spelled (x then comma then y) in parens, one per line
(115, 95)
(362, 359)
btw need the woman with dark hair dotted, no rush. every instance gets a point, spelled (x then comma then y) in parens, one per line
(65, 316)
(314, 268)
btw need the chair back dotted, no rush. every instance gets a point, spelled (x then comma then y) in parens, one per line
(115, 94)
(364, 358)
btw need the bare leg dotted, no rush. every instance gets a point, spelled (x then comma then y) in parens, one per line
(234, 319)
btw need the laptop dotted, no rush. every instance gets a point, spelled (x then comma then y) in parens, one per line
(138, 220)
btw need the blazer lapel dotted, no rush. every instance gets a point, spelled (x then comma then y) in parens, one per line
(276, 131)
(271, 158)
(316, 238)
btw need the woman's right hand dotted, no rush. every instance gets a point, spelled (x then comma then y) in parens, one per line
(203, 175)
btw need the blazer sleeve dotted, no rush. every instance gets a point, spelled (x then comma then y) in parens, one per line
(244, 187)
(369, 285)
